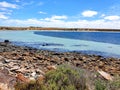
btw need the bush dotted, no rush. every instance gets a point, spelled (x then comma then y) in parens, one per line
(32, 85)
(99, 85)
(67, 77)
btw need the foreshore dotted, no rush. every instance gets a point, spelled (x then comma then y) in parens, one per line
(22, 64)
(27, 60)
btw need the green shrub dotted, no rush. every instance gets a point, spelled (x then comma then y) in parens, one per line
(115, 84)
(99, 85)
(66, 77)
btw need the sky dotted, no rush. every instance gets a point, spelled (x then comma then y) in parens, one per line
(61, 13)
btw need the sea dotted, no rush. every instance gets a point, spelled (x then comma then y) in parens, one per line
(106, 44)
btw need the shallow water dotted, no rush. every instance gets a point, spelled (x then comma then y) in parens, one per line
(100, 43)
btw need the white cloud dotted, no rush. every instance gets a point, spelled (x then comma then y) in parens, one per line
(5, 4)
(89, 13)
(103, 15)
(59, 17)
(70, 24)
(27, 3)
(2, 16)
(56, 18)
(112, 17)
(6, 9)
(41, 12)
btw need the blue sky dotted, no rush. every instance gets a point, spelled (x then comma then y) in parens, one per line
(60, 13)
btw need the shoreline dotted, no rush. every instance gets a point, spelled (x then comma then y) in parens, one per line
(40, 59)
(24, 66)
(59, 29)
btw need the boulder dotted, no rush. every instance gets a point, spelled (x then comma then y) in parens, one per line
(6, 41)
(7, 81)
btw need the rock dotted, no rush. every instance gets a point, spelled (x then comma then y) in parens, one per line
(32, 79)
(22, 78)
(33, 74)
(11, 64)
(51, 67)
(3, 45)
(7, 81)
(53, 61)
(39, 57)
(14, 54)
(22, 70)
(66, 59)
(6, 41)
(45, 44)
(56, 53)
(40, 72)
(105, 75)
(4, 86)
(41, 78)
(5, 71)
(21, 58)
(1, 64)
(15, 68)
(2, 58)
(77, 63)
(25, 54)
(6, 61)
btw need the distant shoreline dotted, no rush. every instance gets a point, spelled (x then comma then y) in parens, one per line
(59, 29)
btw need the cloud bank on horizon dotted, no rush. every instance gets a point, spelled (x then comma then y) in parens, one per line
(61, 13)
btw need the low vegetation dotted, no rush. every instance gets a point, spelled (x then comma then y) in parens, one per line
(70, 78)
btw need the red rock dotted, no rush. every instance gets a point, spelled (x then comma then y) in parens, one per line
(22, 78)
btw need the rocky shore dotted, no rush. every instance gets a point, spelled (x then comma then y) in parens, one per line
(33, 63)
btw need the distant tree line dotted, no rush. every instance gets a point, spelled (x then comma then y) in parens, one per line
(56, 28)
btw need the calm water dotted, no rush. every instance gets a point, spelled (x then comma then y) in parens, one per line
(89, 36)
(100, 43)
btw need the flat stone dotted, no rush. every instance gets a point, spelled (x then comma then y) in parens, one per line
(15, 68)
